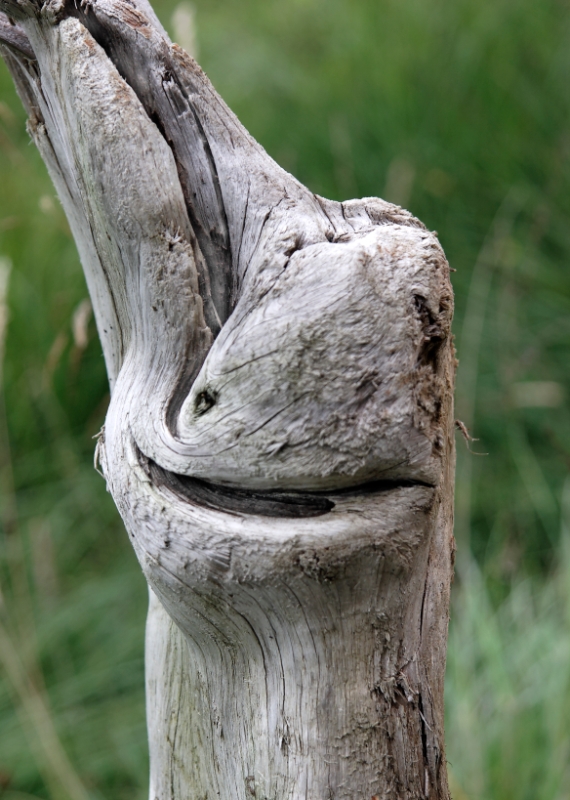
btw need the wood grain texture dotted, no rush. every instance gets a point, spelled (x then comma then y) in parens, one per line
(279, 439)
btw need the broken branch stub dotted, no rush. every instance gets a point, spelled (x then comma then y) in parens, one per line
(279, 439)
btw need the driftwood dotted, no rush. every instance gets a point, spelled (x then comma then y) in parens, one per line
(279, 438)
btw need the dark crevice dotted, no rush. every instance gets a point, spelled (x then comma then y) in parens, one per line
(201, 242)
(167, 104)
(15, 37)
(423, 726)
(265, 503)
(295, 248)
(192, 364)
(214, 243)
(422, 608)
(204, 402)
(238, 257)
(239, 501)
(423, 721)
(331, 233)
(434, 335)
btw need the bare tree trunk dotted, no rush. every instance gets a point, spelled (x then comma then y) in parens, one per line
(279, 438)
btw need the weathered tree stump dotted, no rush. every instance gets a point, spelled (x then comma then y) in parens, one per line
(279, 439)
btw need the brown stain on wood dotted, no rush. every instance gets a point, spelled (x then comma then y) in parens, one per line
(132, 17)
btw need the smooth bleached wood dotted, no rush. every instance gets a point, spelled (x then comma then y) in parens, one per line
(279, 438)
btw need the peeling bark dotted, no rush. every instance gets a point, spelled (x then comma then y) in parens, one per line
(279, 439)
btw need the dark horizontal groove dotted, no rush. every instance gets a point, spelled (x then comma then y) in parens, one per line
(240, 501)
(378, 487)
(285, 504)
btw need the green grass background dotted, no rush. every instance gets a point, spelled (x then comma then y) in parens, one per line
(461, 112)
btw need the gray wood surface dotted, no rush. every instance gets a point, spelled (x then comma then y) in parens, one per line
(279, 441)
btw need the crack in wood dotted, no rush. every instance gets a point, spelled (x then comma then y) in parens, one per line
(266, 503)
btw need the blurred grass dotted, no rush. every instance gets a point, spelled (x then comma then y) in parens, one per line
(459, 111)
(508, 685)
